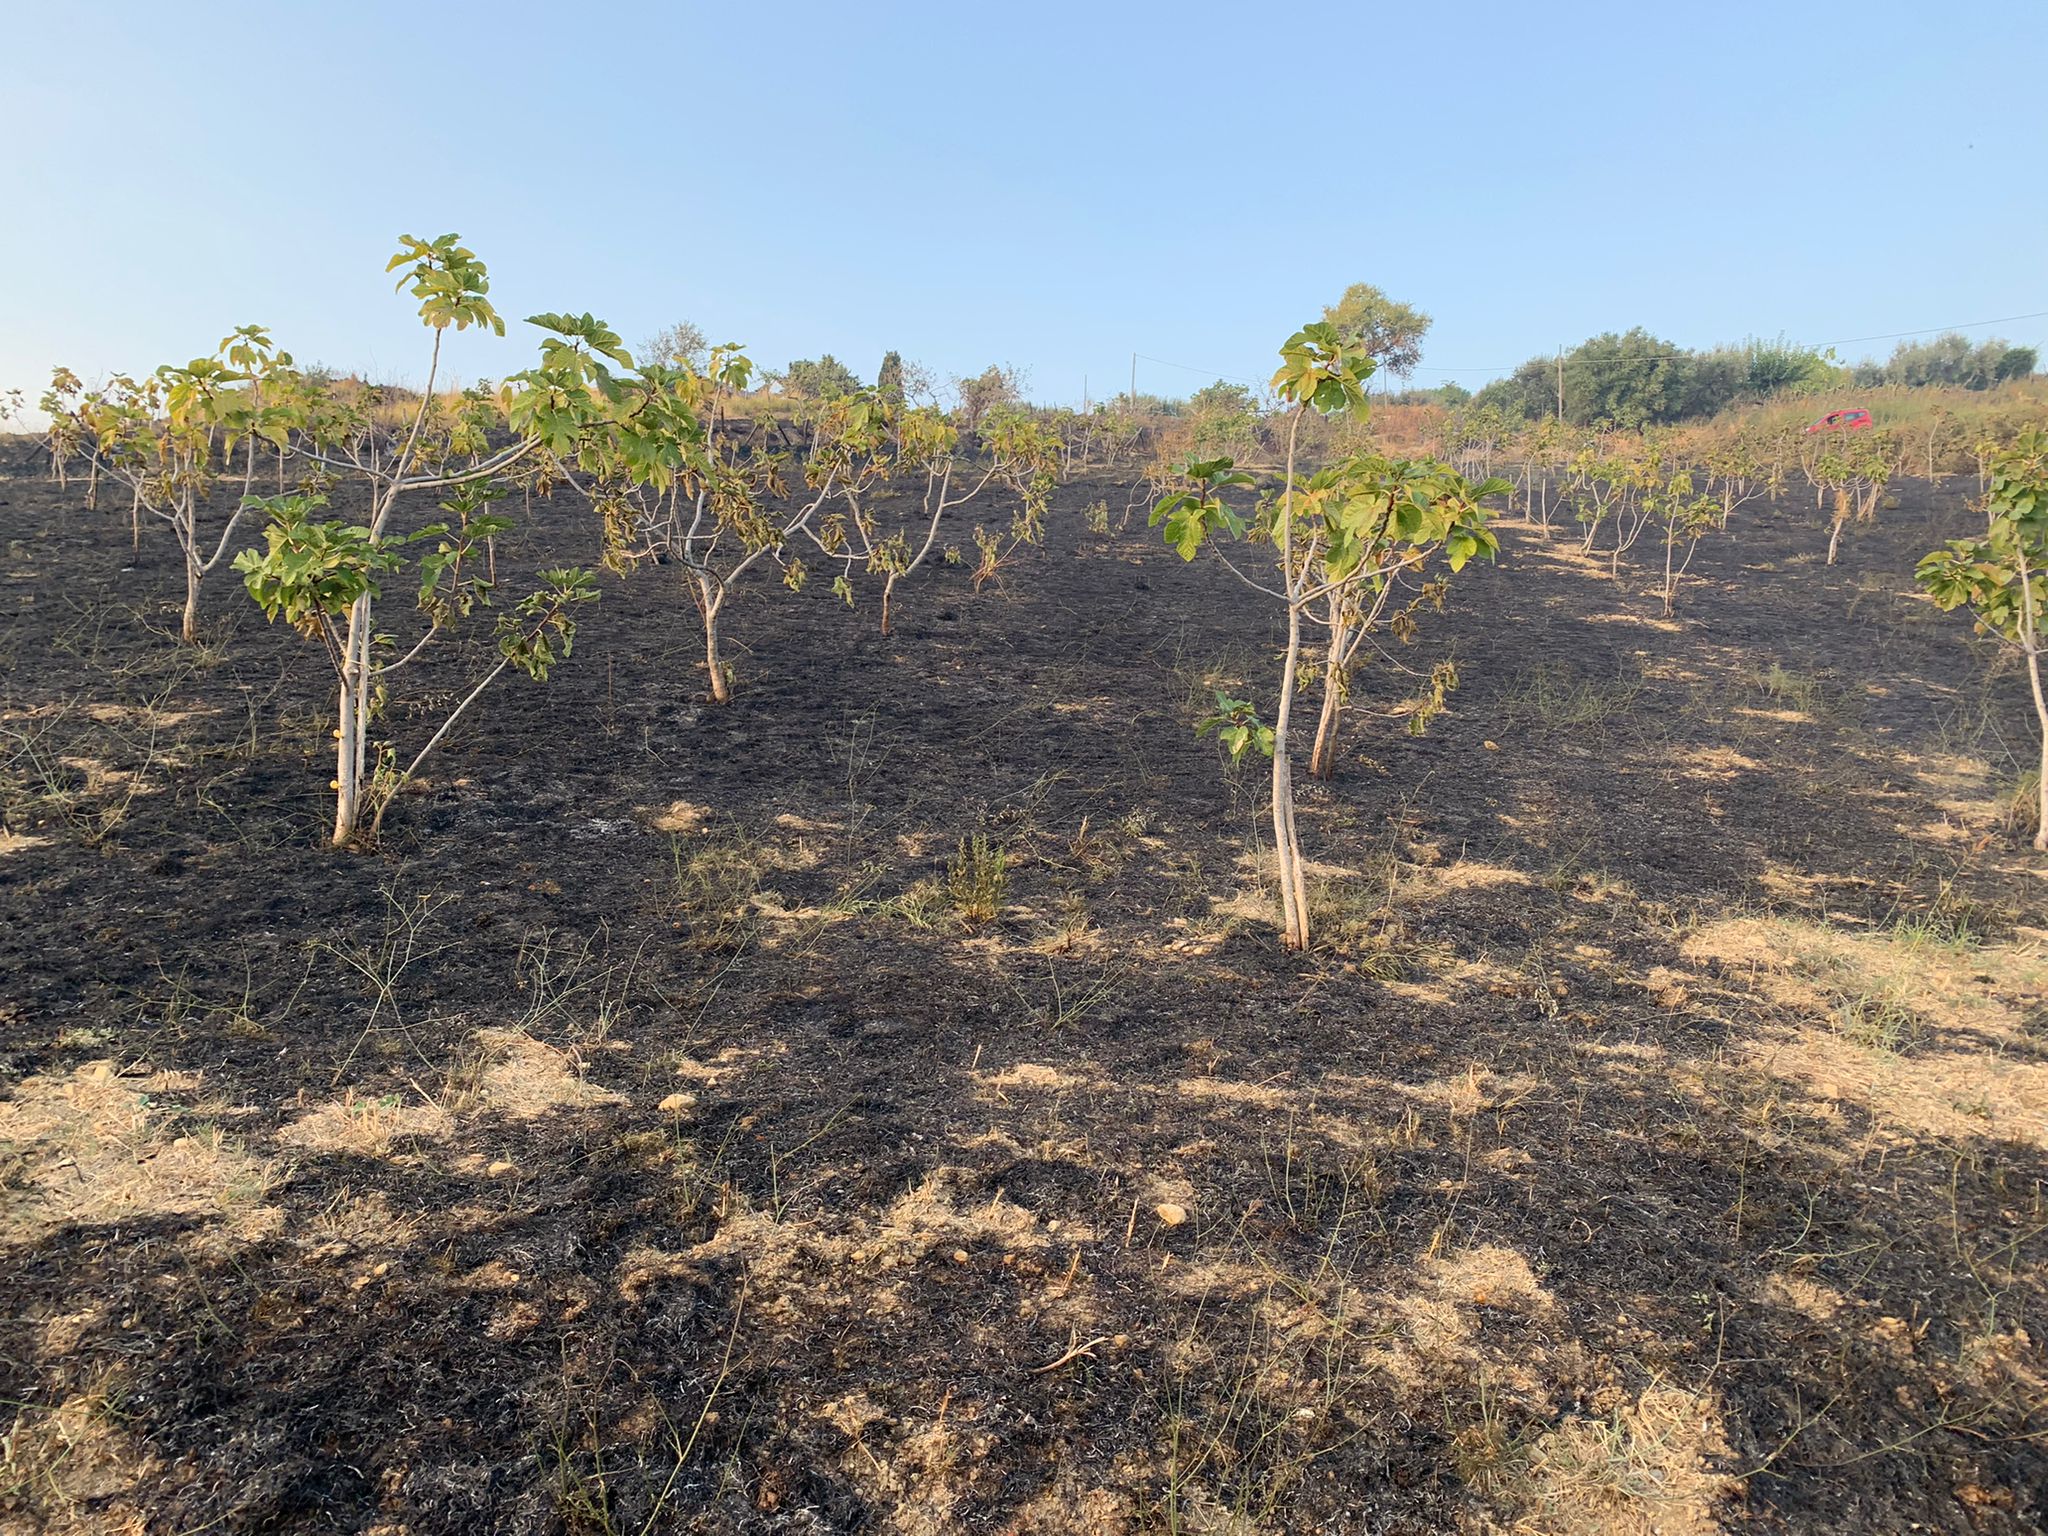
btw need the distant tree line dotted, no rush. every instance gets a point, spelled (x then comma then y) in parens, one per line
(1635, 378)
(1950, 360)
(1629, 379)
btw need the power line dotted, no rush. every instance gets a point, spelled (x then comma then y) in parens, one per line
(1969, 325)
(1210, 372)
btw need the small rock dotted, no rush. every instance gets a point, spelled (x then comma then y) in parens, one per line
(959, 1255)
(501, 1169)
(1169, 1213)
(678, 1103)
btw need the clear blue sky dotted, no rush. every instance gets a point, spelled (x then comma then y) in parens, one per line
(1049, 184)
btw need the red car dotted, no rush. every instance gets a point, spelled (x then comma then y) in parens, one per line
(1841, 421)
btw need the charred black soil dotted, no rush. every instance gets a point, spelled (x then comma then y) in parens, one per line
(642, 1139)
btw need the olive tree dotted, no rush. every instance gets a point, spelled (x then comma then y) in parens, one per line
(823, 378)
(683, 344)
(995, 386)
(1383, 329)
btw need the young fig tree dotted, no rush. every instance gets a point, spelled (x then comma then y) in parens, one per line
(2002, 576)
(158, 438)
(314, 573)
(326, 577)
(673, 488)
(64, 435)
(1687, 516)
(882, 528)
(1383, 532)
(1342, 540)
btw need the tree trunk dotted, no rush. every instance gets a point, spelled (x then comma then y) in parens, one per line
(721, 691)
(2041, 798)
(888, 592)
(348, 742)
(2030, 642)
(1834, 540)
(189, 631)
(1322, 758)
(1286, 846)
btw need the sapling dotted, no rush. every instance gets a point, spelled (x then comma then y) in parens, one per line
(2002, 575)
(61, 439)
(316, 574)
(671, 488)
(157, 436)
(1941, 435)
(430, 450)
(1634, 475)
(1026, 457)
(1856, 475)
(1687, 515)
(862, 448)
(452, 286)
(1375, 574)
(1349, 525)
(264, 409)
(1829, 473)
(1594, 491)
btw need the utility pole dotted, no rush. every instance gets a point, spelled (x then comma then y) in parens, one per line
(1560, 386)
(1134, 383)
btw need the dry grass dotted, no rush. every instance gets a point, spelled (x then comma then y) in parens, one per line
(1643, 1467)
(1930, 1029)
(95, 1147)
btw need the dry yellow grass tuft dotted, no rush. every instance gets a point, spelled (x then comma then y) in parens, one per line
(1643, 1468)
(95, 1148)
(1927, 1030)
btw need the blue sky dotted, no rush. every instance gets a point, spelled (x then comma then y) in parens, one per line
(1052, 185)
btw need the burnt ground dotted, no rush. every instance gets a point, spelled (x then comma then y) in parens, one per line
(646, 1137)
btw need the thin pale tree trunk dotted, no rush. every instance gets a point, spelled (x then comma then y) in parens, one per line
(1286, 845)
(2030, 643)
(1322, 759)
(348, 754)
(709, 602)
(189, 630)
